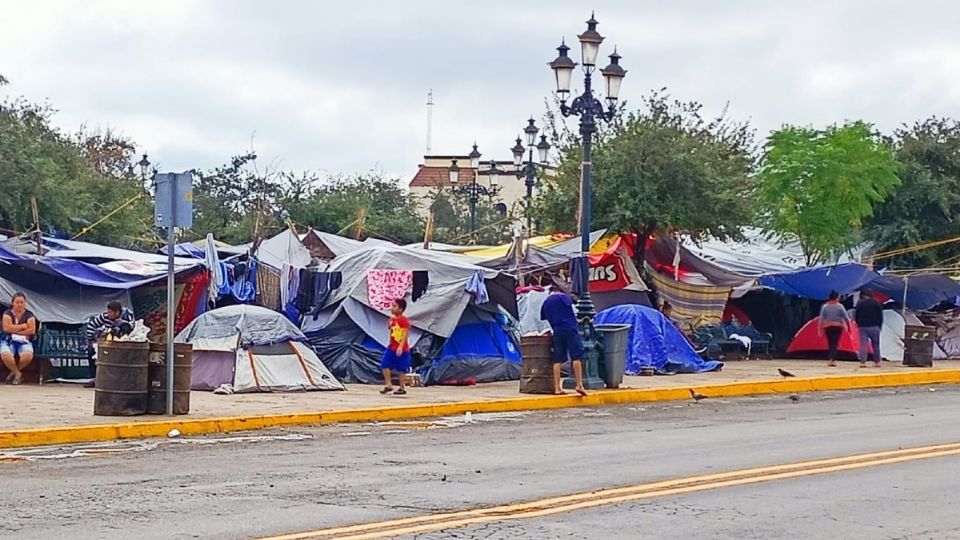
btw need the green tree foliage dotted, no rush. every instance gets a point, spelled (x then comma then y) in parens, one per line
(336, 205)
(819, 185)
(664, 167)
(76, 180)
(925, 207)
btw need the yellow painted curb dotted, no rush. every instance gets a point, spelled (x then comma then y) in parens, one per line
(138, 430)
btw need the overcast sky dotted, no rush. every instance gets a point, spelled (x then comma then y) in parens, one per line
(341, 86)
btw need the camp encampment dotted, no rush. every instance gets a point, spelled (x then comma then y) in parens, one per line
(253, 349)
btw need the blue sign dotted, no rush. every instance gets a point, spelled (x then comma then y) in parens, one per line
(174, 202)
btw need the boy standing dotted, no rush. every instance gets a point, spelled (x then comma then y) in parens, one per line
(397, 356)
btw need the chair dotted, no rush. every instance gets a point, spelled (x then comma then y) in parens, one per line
(760, 341)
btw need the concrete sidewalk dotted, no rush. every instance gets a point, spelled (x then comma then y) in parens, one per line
(29, 411)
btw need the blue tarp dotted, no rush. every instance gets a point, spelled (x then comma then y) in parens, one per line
(924, 291)
(816, 283)
(655, 341)
(77, 271)
(479, 351)
(185, 249)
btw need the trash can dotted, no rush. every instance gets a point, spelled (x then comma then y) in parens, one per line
(121, 386)
(614, 362)
(537, 377)
(918, 344)
(182, 378)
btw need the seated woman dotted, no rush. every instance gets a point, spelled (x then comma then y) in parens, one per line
(19, 327)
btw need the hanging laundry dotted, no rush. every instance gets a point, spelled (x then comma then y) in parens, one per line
(421, 280)
(477, 287)
(576, 276)
(385, 286)
(324, 283)
(304, 298)
(244, 288)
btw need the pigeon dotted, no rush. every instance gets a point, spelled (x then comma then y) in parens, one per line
(697, 396)
(443, 478)
(784, 373)
(794, 398)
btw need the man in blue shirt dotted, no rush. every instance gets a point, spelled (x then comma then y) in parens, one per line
(557, 310)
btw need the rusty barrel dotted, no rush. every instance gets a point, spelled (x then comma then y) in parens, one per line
(918, 344)
(121, 385)
(182, 374)
(537, 377)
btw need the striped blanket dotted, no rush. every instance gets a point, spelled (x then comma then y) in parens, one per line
(695, 304)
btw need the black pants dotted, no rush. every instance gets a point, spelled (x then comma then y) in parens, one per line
(833, 333)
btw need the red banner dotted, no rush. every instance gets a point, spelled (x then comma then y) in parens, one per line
(607, 273)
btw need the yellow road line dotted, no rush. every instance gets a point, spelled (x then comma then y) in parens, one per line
(139, 430)
(604, 497)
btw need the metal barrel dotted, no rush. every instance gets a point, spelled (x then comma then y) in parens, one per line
(918, 343)
(121, 387)
(537, 377)
(182, 375)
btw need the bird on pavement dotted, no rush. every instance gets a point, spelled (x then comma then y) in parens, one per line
(784, 373)
(697, 396)
(795, 398)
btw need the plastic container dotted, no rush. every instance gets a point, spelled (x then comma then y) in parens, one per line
(614, 339)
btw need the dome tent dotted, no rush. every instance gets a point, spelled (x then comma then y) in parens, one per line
(253, 349)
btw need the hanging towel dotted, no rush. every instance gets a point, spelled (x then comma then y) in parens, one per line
(421, 279)
(213, 264)
(244, 288)
(576, 279)
(324, 283)
(304, 298)
(385, 286)
(477, 287)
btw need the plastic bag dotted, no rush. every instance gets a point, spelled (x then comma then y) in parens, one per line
(140, 332)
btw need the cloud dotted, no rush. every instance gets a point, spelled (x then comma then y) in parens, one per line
(341, 87)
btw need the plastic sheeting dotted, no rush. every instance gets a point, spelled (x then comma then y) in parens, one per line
(351, 355)
(817, 283)
(59, 300)
(284, 248)
(655, 341)
(283, 367)
(529, 304)
(477, 352)
(924, 291)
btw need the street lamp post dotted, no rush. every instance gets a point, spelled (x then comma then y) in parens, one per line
(588, 108)
(144, 165)
(474, 190)
(529, 170)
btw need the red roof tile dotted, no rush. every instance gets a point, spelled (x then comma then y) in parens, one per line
(439, 177)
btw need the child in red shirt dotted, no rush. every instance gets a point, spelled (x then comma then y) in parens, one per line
(397, 355)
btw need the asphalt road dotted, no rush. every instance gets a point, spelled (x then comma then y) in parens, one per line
(307, 479)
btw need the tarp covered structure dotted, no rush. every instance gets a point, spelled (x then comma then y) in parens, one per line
(924, 291)
(253, 349)
(817, 283)
(349, 334)
(655, 341)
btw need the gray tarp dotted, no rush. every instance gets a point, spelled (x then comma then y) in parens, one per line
(439, 310)
(66, 302)
(255, 325)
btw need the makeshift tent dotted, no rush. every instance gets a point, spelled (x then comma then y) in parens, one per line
(817, 283)
(479, 350)
(807, 343)
(655, 341)
(893, 331)
(326, 246)
(349, 334)
(924, 291)
(615, 280)
(695, 304)
(253, 349)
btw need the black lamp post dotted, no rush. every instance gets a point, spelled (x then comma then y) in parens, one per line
(473, 190)
(529, 170)
(144, 165)
(588, 108)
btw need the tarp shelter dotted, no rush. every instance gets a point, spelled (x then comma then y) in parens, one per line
(349, 334)
(327, 246)
(924, 291)
(655, 341)
(695, 304)
(817, 283)
(892, 334)
(253, 349)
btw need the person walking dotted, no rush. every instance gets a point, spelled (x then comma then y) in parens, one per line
(834, 321)
(397, 356)
(557, 310)
(869, 318)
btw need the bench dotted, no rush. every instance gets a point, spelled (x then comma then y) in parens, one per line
(62, 348)
(716, 338)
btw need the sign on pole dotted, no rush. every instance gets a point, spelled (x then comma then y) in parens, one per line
(173, 208)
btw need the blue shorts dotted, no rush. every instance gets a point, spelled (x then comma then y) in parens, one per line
(567, 345)
(392, 361)
(15, 347)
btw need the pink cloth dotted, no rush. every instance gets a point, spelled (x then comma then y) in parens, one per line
(385, 286)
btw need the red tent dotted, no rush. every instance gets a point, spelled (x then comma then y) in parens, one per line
(807, 344)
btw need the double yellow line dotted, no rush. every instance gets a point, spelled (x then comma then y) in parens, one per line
(604, 497)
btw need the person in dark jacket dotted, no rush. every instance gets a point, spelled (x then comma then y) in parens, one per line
(869, 317)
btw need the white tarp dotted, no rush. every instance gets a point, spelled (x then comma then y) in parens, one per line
(68, 303)
(284, 248)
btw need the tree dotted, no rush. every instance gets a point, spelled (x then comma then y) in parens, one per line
(451, 221)
(661, 168)
(923, 208)
(82, 183)
(819, 185)
(337, 205)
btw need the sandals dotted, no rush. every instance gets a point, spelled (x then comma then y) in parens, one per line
(399, 392)
(10, 378)
(386, 390)
(18, 380)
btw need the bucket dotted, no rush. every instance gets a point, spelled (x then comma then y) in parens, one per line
(157, 375)
(121, 385)
(537, 377)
